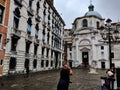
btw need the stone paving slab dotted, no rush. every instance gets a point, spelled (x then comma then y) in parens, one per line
(81, 80)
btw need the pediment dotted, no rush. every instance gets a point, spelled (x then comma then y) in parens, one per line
(85, 49)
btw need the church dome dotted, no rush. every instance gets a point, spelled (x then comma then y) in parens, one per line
(91, 12)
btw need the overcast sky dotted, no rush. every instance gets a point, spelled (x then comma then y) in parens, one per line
(71, 9)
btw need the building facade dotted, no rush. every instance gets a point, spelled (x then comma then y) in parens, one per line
(85, 46)
(4, 14)
(34, 35)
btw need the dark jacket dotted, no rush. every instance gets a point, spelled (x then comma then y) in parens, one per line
(64, 80)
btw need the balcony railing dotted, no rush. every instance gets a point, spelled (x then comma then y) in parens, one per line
(30, 11)
(27, 55)
(37, 40)
(28, 37)
(13, 53)
(46, 45)
(16, 32)
(35, 56)
(37, 18)
(44, 23)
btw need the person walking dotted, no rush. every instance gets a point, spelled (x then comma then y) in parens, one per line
(65, 73)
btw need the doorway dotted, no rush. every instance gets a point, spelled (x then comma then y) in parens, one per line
(103, 65)
(56, 59)
(85, 58)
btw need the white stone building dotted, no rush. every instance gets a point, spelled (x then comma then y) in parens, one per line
(34, 36)
(85, 41)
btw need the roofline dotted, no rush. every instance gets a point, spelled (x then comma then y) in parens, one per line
(54, 9)
(86, 17)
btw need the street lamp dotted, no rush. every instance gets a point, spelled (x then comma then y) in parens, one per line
(109, 35)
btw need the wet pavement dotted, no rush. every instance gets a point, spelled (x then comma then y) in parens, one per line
(47, 80)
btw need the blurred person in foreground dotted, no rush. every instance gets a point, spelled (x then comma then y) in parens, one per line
(65, 73)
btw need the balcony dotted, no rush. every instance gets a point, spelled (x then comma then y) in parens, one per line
(30, 11)
(35, 56)
(29, 38)
(27, 55)
(16, 33)
(37, 18)
(46, 45)
(49, 27)
(37, 41)
(44, 23)
(42, 57)
(13, 53)
(18, 2)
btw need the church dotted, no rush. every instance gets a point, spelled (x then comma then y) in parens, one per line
(84, 45)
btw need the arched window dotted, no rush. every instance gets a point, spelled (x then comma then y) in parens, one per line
(85, 23)
(29, 24)
(98, 24)
(16, 18)
(36, 30)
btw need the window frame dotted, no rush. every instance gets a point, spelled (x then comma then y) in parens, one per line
(1, 62)
(2, 14)
(85, 23)
(1, 40)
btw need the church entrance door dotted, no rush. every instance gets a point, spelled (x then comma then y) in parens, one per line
(85, 58)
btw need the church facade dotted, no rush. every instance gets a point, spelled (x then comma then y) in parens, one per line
(87, 49)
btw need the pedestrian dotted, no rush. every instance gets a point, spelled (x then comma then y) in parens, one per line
(27, 71)
(64, 81)
(110, 78)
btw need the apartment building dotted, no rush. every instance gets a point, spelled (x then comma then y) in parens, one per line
(4, 14)
(34, 37)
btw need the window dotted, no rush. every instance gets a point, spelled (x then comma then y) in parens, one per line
(51, 63)
(30, 3)
(102, 47)
(13, 44)
(1, 62)
(42, 63)
(29, 25)
(12, 63)
(70, 48)
(51, 54)
(47, 63)
(43, 17)
(85, 23)
(35, 49)
(38, 6)
(36, 30)
(34, 63)
(47, 52)
(16, 18)
(48, 37)
(27, 47)
(70, 55)
(43, 51)
(0, 40)
(43, 37)
(1, 13)
(26, 64)
(97, 24)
